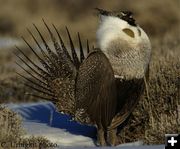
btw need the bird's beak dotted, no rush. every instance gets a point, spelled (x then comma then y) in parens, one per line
(102, 13)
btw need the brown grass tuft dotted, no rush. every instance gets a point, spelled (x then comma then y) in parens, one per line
(10, 124)
(11, 133)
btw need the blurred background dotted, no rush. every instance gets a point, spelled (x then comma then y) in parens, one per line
(156, 17)
(159, 18)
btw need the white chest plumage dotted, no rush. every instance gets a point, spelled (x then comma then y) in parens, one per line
(129, 54)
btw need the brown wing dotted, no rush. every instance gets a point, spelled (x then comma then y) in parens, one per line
(96, 89)
(129, 93)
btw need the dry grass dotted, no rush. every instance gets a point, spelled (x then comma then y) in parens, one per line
(11, 133)
(79, 15)
(13, 90)
(10, 125)
(155, 115)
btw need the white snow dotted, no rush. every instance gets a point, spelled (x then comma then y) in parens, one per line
(7, 42)
(59, 136)
(42, 119)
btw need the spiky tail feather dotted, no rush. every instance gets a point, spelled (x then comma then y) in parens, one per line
(55, 80)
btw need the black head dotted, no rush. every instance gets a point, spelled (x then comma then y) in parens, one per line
(124, 15)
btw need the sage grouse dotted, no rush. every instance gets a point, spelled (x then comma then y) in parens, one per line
(101, 88)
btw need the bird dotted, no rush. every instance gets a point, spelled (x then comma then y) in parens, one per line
(102, 85)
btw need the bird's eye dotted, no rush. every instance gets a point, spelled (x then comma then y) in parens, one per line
(129, 32)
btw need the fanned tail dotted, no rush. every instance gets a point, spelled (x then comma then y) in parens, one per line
(54, 80)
